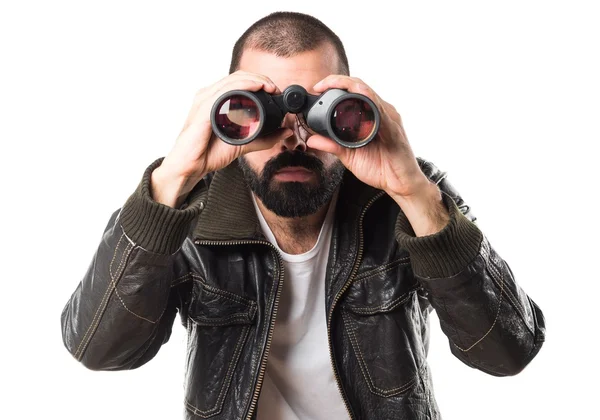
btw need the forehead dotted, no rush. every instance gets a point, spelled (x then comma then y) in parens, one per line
(305, 68)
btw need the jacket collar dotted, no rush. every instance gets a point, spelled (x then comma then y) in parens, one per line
(229, 213)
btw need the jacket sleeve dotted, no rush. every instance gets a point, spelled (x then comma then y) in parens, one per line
(123, 309)
(491, 323)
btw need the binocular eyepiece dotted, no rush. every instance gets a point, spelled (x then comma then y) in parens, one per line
(240, 116)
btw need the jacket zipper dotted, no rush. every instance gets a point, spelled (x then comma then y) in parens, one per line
(341, 292)
(263, 361)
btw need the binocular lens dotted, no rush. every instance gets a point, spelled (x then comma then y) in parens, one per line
(238, 117)
(353, 120)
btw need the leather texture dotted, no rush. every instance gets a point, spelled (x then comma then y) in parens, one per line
(225, 284)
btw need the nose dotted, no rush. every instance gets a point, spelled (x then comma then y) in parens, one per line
(296, 141)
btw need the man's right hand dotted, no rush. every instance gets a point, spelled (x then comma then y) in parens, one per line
(198, 151)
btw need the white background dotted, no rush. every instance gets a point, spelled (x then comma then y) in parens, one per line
(503, 96)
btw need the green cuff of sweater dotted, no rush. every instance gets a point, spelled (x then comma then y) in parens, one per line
(154, 226)
(446, 252)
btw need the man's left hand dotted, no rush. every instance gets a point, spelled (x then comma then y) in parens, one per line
(387, 162)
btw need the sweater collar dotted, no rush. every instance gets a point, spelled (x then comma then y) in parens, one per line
(230, 215)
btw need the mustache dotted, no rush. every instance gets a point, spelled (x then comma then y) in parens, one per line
(293, 158)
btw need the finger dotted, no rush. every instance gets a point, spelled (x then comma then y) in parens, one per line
(235, 81)
(203, 104)
(252, 85)
(248, 84)
(392, 112)
(269, 85)
(213, 91)
(350, 84)
(338, 81)
(246, 74)
(389, 116)
(268, 141)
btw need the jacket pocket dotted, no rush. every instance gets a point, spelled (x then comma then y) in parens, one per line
(384, 325)
(219, 324)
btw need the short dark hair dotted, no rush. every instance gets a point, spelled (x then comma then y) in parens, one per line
(286, 34)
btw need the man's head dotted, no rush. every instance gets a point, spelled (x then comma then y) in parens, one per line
(291, 179)
(286, 34)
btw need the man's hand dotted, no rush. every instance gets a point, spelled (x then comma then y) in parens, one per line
(198, 151)
(388, 162)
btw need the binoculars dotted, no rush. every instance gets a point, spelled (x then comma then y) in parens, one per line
(240, 116)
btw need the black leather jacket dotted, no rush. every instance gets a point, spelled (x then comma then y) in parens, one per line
(210, 262)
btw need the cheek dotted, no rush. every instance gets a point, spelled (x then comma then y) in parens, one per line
(329, 160)
(257, 160)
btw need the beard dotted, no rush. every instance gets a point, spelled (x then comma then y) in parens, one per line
(293, 199)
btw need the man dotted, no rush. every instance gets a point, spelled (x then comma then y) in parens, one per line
(303, 271)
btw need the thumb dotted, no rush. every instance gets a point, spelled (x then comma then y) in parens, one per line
(326, 144)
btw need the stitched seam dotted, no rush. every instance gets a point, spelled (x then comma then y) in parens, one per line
(513, 300)
(133, 313)
(452, 323)
(381, 269)
(426, 388)
(129, 310)
(363, 367)
(189, 333)
(510, 296)
(181, 279)
(441, 178)
(115, 255)
(159, 318)
(212, 291)
(228, 376)
(224, 293)
(103, 298)
(188, 329)
(128, 238)
(381, 392)
(495, 320)
(148, 344)
(220, 321)
(106, 298)
(491, 262)
(152, 322)
(270, 301)
(366, 310)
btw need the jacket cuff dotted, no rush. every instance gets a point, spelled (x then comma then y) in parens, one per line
(154, 226)
(446, 252)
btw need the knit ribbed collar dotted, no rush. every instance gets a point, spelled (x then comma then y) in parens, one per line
(230, 215)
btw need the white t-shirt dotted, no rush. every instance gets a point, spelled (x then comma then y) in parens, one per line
(299, 382)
